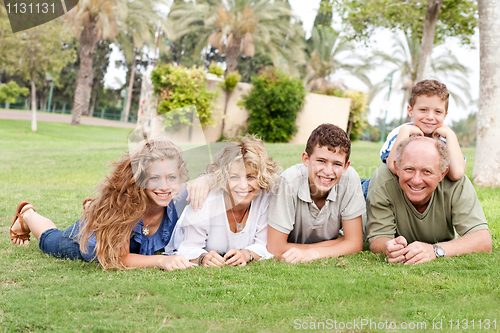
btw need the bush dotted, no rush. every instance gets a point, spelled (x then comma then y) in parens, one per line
(231, 81)
(10, 91)
(178, 87)
(273, 104)
(215, 69)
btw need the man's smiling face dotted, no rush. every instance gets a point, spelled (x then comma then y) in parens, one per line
(419, 172)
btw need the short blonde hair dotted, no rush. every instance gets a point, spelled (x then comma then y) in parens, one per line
(252, 152)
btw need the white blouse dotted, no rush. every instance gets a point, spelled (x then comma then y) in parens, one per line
(208, 229)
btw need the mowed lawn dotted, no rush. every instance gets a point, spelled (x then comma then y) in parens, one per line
(59, 166)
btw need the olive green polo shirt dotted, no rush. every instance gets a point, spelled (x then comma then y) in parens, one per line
(452, 206)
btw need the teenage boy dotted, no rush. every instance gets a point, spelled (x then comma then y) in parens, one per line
(315, 200)
(428, 108)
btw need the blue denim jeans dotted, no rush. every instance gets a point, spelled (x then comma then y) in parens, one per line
(365, 182)
(61, 243)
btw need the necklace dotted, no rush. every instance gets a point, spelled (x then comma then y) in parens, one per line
(145, 230)
(239, 225)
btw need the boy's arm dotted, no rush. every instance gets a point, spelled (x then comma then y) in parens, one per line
(351, 242)
(405, 132)
(457, 161)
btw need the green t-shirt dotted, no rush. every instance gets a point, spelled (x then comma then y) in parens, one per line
(452, 206)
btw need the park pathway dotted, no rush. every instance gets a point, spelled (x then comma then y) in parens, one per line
(61, 118)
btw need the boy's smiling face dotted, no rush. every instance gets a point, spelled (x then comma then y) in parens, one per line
(324, 169)
(428, 113)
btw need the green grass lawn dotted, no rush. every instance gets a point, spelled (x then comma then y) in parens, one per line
(59, 166)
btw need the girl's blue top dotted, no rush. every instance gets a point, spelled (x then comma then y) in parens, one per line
(141, 244)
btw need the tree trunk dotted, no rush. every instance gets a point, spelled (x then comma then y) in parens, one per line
(431, 18)
(92, 104)
(84, 79)
(33, 99)
(130, 88)
(487, 165)
(232, 54)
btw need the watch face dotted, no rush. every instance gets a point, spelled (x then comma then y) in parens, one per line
(439, 251)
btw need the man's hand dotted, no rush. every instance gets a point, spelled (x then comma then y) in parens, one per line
(295, 255)
(396, 249)
(419, 252)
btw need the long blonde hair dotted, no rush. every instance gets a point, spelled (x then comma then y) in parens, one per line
(122, 201)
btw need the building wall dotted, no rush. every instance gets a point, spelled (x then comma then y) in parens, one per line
(318, 109)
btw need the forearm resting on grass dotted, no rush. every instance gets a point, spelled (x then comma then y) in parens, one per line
(351, 242)
(167, 263)
(398, 251)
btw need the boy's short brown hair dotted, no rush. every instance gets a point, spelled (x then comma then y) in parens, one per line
(429, 88)
(331, 136)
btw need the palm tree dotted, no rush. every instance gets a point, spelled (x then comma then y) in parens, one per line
(241, 28)
(325, 51)
(403, 63)
(137, 31)
(94, 20)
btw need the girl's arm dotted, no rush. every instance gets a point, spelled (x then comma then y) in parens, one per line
(167, 263)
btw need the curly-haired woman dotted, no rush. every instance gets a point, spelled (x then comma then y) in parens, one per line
(231, 227)
(132, 217)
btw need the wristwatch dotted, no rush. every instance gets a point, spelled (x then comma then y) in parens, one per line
(439, 251)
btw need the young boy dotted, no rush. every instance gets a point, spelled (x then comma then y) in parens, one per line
(428, 109)
(315, 200)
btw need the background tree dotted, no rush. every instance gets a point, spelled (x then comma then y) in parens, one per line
(138, 31)
(402, 61)
(94, 20)
(487, 165)
(430, 21)
(240, 27)
(36, 52)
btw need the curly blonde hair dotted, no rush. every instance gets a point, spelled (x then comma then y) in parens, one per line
(122, 201)
(253, 152)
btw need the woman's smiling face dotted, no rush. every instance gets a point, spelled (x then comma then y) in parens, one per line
(243, 185)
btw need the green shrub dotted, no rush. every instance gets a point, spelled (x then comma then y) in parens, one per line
(178, 87)
(273, 104)
(10, 91)
(231, 81)
(215, 69)
(357, 114)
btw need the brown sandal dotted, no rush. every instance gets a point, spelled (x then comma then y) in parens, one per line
(86, 202)
(22, 208)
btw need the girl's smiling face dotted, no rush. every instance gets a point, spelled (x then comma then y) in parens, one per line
(163, 182)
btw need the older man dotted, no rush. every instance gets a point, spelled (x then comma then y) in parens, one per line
(413, 216)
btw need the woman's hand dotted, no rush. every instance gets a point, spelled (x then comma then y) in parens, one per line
(212, 258)
(198, 192)
(237, 257)
(169, 263)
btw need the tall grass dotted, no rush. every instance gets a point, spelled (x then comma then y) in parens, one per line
(59, 166)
